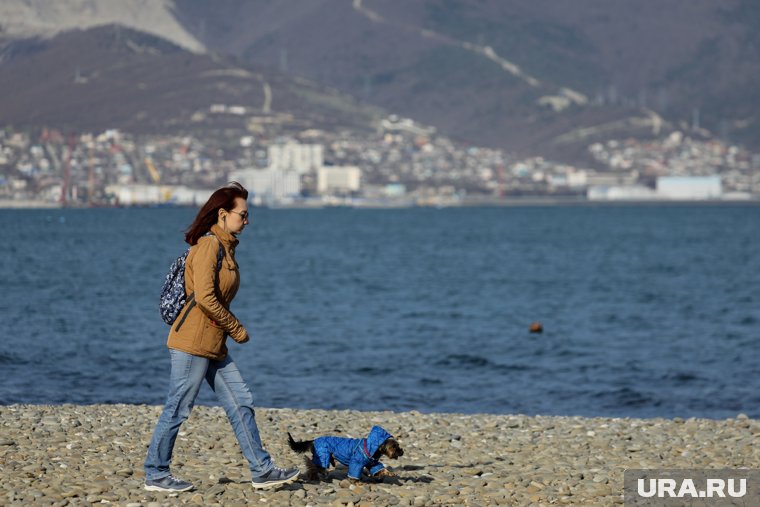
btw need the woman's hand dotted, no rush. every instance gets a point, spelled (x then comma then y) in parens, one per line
(241, 336)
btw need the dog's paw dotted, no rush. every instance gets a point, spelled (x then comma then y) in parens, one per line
(385, 473)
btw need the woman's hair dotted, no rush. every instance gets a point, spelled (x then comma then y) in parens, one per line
(224, 198)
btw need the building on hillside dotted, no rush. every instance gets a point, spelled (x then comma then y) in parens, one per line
(338, 179)
(266, 186)
(292, 156)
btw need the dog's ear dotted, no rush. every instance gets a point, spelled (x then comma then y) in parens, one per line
(380, 451)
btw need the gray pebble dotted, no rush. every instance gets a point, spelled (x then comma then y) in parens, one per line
(70, 455)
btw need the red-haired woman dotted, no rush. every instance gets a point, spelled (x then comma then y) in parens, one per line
(197, 345)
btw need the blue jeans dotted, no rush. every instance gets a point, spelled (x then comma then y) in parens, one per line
(187, 375)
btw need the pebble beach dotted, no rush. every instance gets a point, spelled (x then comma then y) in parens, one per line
(92, 454)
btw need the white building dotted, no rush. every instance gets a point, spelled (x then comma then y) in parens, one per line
(620, 193)
(394, 123)
(338, 179)
(689, 187)
(611, 179)
(577, 178)
(292, 156)
(148, 195)
(268, 185)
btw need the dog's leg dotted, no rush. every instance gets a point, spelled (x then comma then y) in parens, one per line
(313, 472)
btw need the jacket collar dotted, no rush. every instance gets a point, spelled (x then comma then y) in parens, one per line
(227, 239)
(363, 449)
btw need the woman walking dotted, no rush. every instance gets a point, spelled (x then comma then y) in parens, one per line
(197, 345)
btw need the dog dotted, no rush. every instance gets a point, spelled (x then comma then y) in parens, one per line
(356, 453)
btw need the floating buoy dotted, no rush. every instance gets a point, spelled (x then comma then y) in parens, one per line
(536, 327)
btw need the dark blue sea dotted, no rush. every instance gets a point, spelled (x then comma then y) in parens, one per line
(647, 311)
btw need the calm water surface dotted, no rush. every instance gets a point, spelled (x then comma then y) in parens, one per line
(648, 311)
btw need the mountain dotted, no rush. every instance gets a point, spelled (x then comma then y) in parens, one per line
(22, 19)
(115, 77)
(540, 76)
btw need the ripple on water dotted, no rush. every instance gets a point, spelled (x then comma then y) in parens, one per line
(432, 304)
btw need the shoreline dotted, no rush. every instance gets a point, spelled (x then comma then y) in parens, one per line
(74, 454)
(467, 203)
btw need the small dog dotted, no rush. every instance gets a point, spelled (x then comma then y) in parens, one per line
(355, 453)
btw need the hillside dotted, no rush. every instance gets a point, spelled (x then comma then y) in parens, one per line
(114, 77)
(21, 19)
(513, 74)
(536, 78)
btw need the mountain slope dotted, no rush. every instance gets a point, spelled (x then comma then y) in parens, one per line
(113, 77)
(21, 19)
(541, 77)
(511, 73)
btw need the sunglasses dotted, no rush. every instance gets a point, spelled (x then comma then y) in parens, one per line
(243, 215)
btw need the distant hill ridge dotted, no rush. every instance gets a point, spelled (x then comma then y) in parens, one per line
(115, 77)
(447, 62)
(541, 77)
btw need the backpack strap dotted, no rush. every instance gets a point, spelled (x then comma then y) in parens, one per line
(219, 257)
(219, 254)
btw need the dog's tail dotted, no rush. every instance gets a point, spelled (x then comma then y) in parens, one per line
(299, 447)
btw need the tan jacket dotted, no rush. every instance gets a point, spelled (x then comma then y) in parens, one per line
(203, 324)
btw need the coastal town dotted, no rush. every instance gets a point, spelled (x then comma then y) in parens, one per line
(402, 163)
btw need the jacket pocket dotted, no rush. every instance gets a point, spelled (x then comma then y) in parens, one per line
(188, 307)
(211, 338)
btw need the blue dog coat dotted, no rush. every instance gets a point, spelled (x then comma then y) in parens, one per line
(355, 453)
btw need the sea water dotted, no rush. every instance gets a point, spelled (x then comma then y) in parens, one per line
(647, 311)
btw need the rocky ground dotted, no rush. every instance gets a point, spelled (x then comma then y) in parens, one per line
(78, 455)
